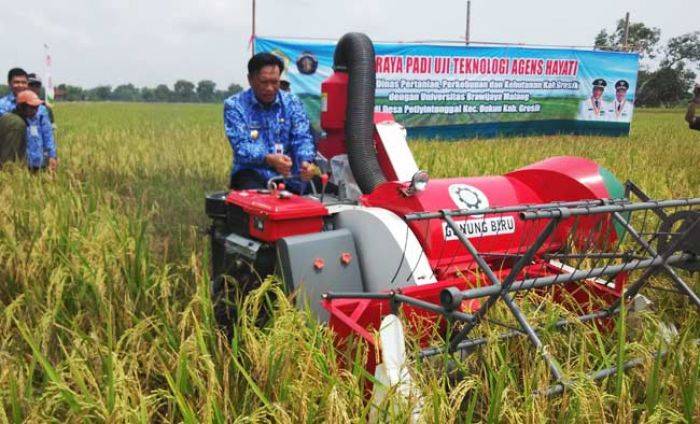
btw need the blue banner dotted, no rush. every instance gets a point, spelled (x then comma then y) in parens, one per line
(451, 91)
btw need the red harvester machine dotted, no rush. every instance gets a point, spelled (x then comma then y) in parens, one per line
(391, 242)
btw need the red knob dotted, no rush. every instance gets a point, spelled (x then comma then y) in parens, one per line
(280, 186)
(319, 263)
(345, 258)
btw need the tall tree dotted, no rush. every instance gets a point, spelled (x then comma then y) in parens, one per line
(100, 93)
(184, 91)
(72, 93)
(162, 93)
(671, 82)
(126, 93)
(684, 48)
(666, 86)
(205, 91)
(147, 94)
(640, 38)
(234, 88)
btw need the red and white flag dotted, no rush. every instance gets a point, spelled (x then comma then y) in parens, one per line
(48, 80)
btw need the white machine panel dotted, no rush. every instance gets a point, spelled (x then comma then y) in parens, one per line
(393, 136)
(390, 254)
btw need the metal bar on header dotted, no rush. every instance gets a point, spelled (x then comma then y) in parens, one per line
(682, 286)
(581, 274)
(508, 209)
(532, 335)
(600, 255)
(632, 188)
(524, 260)
(479, 341)
(447, 41)
(575, 211)
(400, 298)
(558, 388)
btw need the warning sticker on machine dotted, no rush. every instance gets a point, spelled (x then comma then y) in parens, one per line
(484, 227)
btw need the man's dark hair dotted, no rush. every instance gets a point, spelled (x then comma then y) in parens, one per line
(33, 80)
(261, 60)
(16, 72)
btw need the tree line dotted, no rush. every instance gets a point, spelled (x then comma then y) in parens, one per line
(666, 74)
(205, 91)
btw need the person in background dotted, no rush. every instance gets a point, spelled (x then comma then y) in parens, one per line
(34, 83)
(13, 127)
(41, 146)
(620, 108)
(692, 120)
(18, 81)
(594, 107)
(268, 130)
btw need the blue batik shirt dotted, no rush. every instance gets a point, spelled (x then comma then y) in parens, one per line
(255, 130)
(40, 140)
(7, 104)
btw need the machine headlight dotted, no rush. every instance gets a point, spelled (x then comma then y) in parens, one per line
(419, 182)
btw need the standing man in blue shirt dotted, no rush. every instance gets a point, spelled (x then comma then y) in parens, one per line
(41, 146)
(268, 129)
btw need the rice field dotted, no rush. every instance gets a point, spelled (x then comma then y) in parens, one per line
(104, 292)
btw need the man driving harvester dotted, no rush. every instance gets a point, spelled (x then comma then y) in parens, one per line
(268, 130)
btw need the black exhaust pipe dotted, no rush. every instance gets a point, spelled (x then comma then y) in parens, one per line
(354, 54)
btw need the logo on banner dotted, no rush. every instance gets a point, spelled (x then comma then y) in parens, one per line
(468, 197)
(307, 63)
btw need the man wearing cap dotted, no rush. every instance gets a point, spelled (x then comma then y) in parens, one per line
(41, 146)
(13, 127)
(692, 120)
(594, 107)
(620, 109)
(34, 83)
(268, 130)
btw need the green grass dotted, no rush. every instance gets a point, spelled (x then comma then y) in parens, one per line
(105, 313)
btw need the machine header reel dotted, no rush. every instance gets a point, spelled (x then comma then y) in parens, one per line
(593, 257)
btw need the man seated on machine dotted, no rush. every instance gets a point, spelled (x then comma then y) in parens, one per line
(268, 131)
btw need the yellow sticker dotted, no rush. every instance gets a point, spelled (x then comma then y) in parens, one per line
(254, 134)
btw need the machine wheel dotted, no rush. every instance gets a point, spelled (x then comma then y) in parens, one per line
(228, 290)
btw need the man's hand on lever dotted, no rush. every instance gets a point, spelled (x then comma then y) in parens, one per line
(308, 170)
(280, 163)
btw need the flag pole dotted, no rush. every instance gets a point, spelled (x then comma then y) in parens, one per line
(468, 23)
(252, 35)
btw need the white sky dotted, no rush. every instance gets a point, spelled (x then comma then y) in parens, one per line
(148, 42)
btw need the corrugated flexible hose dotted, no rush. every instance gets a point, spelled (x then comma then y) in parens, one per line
(354, 54)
